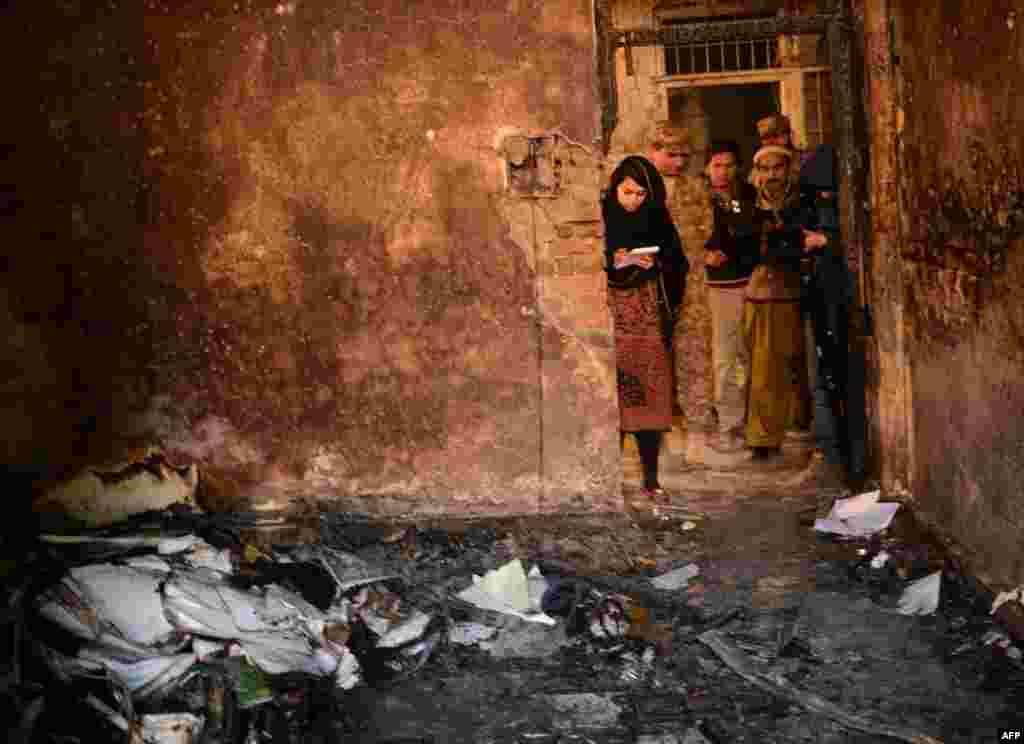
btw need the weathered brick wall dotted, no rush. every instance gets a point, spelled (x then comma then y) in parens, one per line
(284, 248)
(961, 132)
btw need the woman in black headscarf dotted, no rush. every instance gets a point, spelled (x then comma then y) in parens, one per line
(644, 293)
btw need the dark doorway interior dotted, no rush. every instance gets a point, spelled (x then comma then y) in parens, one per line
(732, 112)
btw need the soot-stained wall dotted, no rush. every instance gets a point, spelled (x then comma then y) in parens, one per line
(276, 238)
(962, 154)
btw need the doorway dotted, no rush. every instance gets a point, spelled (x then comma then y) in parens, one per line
(733, 110)
(725, 112)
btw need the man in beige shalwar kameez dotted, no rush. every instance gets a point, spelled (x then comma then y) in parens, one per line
(772, 321)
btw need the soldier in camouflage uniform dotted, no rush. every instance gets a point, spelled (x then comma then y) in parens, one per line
(690, 207)
(669, 147)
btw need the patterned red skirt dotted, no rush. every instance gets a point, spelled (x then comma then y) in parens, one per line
(642, 361)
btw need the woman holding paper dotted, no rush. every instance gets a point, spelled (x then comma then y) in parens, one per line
(646, 280)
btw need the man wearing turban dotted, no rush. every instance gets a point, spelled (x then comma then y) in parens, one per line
(772, 321)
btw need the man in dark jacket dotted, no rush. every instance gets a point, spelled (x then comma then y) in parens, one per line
(777, 130)
(730, 257)
(772, 320)
(829, 299)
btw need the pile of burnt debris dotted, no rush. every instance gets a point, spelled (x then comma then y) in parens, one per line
(176, 626)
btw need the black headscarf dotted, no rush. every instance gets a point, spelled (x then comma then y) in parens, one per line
(651, 224)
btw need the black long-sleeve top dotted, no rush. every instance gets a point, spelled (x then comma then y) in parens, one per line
(784, 229)
(734, 233)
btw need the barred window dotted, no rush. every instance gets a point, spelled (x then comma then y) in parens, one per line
(719, 56)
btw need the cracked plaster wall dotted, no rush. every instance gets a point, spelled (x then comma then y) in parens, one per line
(291, 256)
(962, 196)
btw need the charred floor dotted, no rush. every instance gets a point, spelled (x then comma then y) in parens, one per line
(722, 617)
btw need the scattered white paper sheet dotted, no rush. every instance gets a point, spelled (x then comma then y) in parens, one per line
(506, 590)
(678, 578)
(168, 728)
(467, 634)
(880, 559)
(1017, 595)
(404, 632)
(858, 516)
(128, 598)
(536, 586)
(178, 544)
(921, 597)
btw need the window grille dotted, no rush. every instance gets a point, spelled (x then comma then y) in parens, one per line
(732, 55)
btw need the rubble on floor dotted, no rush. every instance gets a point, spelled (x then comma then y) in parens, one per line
(169, 624)
(176, 626)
